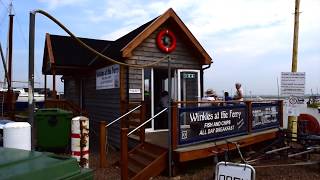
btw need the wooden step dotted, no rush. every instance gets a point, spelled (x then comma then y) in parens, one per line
(134, 122)
(147, 154)
(134, 167)
(153, 148)
(146, 160)
(139, 159)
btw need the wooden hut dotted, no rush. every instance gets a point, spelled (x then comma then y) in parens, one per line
(80, 69)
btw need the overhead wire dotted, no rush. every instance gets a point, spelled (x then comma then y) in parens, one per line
(23, 35)
(93, 50)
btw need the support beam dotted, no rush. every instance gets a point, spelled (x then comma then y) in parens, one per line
(45, 87)
(103, 144)
(31, 75)
(54, 92)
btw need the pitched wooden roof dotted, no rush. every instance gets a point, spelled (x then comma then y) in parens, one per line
(62, 55)
(169, 14)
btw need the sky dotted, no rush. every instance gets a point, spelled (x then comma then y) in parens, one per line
(250, 41)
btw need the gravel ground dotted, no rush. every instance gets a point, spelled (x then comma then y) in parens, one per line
(204, 169)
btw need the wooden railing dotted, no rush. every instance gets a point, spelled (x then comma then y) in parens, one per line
(132, 109)
(124, 144)
(66, 105)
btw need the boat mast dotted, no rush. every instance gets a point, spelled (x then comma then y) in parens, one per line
(11, 15)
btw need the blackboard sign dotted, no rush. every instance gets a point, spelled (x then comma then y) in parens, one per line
(210, 123)
(265, 116)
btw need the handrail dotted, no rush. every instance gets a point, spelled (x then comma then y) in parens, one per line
(218, 101)
(123, 116)
(146, 122)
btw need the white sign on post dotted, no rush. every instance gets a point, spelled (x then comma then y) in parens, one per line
(293, 83)
(228, 170)
(108, 77)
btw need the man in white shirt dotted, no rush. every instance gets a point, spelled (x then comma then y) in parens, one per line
(239, 94)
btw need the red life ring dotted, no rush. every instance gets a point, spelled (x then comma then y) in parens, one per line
(166, 41)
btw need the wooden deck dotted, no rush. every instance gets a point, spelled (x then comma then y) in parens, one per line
(206, 149)
(157, 138)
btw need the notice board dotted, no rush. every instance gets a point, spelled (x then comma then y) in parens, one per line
(199, 124)
(108, 77)
(265, 116)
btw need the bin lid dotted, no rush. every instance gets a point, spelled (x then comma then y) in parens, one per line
(3, 122)
(52, 111)
(22, 164)
(16, 125)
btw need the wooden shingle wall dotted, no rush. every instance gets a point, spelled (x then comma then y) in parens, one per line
(148, 52)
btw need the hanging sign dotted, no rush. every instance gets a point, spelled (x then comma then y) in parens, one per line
(134, 91)
(234, 171)
(108, 77)
(209, 123)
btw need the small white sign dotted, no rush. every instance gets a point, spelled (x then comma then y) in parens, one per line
(294, 105)
(134, 91)
(228, 170)
(108, 77)
(293, 83)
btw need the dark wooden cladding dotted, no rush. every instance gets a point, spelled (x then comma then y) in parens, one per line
(71, 90)
(100, 104)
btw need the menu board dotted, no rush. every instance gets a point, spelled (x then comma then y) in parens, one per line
(209, 123)
(265, 116)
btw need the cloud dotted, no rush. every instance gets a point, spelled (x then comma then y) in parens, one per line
(252, 37)
(53, 4)
(118, 33)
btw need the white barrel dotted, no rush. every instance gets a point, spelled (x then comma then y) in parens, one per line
(78, 123)
(17, 135)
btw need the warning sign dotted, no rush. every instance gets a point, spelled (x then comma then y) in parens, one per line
(293, 83)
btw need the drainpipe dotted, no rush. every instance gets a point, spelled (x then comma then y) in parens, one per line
(201, 77)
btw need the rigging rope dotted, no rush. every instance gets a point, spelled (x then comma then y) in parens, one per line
(93, 50)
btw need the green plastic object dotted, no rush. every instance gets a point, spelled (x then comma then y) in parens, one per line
(16, 164)
(53, 128)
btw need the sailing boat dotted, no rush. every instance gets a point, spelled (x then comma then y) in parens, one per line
(21, 94)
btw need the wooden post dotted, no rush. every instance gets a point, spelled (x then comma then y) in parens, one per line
(249, 115)
(142, 120)
(293, 120)
(45, 87)
(103, 143)
(281, 112)
(294, 66)
(54, 92)
(124, 153)
(175, 127)
(123, 110)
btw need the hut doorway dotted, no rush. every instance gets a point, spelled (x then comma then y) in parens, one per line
(185, 87)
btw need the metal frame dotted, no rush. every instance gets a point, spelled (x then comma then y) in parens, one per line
(253, 172)
(179, 81)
